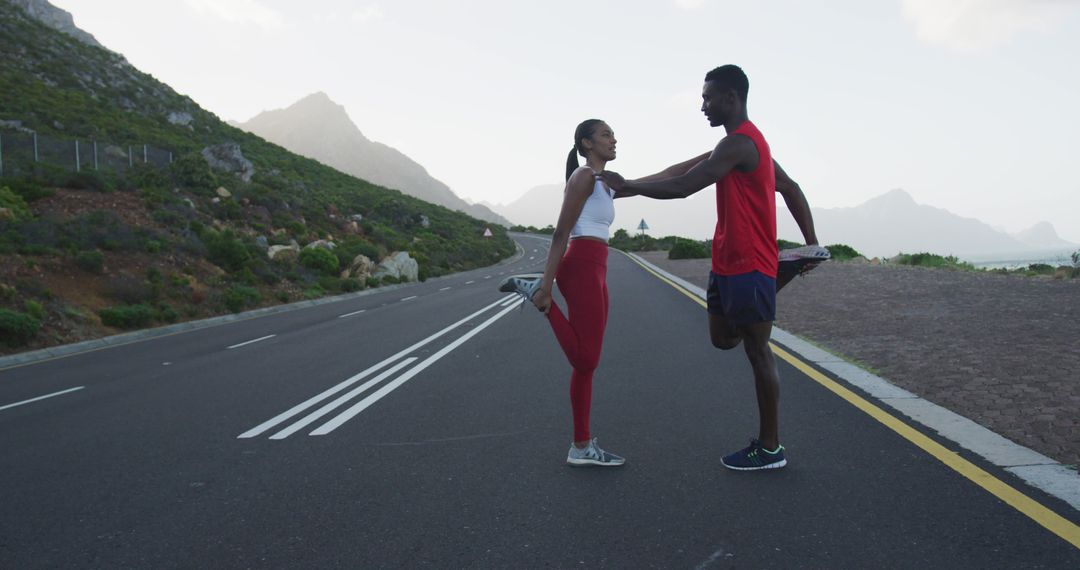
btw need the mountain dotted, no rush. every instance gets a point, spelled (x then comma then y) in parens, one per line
(319, 128)
(55, 18)
(1042, 235)
(894, 223)
(538, 207)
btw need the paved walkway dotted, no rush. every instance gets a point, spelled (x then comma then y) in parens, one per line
(1001, 350)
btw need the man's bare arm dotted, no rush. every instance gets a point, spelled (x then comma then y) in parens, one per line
(675, 169)
(731, 152)
(796, 204)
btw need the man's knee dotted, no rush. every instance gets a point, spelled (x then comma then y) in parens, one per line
(726, 342)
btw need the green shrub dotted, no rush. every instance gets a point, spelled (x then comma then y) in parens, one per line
(29, 189)
(841, 252)
(241, 296)
(350, 285)
(785, 244)
(90, 261)
(1040, 269)
(226, 250)
(168, 314)
(689, 249)
(17, 329)
(128, 316)
(35, 309)
(319, 259)
(14, 202)
(932, 260)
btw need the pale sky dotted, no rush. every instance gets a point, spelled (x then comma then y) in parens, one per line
(969, 105)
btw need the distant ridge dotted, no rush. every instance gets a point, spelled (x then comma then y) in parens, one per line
(319, 128)
(894, 223)
(880, 227)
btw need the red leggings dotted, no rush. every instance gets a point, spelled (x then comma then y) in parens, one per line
(581, 280)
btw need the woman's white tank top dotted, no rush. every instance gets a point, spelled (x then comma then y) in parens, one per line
(597, 215)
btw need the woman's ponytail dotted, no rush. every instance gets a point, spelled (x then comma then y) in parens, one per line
(571, 163)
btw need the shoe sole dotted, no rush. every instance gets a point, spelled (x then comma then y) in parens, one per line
(776, 465)
(507, 285)
(590, 462)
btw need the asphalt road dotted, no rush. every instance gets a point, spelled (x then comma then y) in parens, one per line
(428, 427)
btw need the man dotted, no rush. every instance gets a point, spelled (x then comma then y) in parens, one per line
(744, 278)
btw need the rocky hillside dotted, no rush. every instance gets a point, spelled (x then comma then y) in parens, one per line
(319, 128)
(233, 222)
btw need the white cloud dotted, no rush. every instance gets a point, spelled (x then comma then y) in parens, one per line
(240, 12)
(368, 13)
(974, 25)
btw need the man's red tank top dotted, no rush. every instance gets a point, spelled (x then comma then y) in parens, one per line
(745, 238)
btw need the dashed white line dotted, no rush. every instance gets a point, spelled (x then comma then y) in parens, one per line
(62, 392)
(250, 341)
(470, 282)
(445, 288)
(409, 298)
(351, 314)
(487, 277)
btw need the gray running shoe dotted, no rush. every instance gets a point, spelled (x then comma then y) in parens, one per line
(799, 260)
(809, 253)
(524, 285)
(592, 455)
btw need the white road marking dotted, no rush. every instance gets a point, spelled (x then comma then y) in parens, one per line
(60, 393)
(310, 418)
(532, 257)
(356, 378)
(509, 301)
(393, 385)
(470, 282)
(409, 298)
(250, 341)
(487, 277)
(445, 288)
(351, 314)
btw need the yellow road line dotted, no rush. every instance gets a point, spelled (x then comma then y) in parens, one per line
(1034, 510)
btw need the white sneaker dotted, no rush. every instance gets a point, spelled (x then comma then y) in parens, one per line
(592, 455)
(524, 285)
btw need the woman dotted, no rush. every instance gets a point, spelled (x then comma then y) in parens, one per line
(578, 261)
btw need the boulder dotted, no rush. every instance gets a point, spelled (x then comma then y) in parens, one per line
(262, 242)
(356, 218)
(6, 214)
(223, 192)
(228, 157)
(180, 118)
(283, 251)
(424, 221)
(360, 268)
(398, 265)
(321, 243)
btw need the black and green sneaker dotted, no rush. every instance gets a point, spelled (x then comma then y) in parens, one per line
(755, 457)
